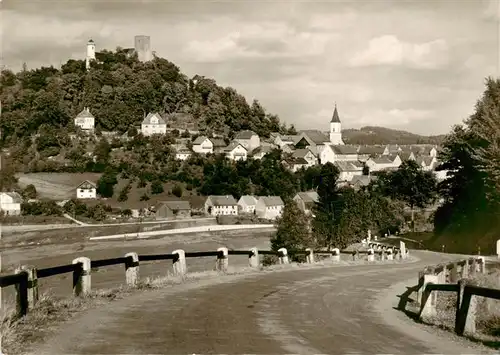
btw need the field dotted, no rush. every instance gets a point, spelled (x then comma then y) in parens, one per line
(60, 186)
(56, 185)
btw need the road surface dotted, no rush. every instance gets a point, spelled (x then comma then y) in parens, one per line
(327, 310)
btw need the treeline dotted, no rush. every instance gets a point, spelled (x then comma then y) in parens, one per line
(470, 214)
(343, 216)
(120, 91)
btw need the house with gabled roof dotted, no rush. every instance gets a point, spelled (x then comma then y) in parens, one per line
(173, 209)
(295, 164)
(86, 190)
(153, 123)
(315, 140)
(247, 203)
(218, 205)
(248, 139)
(236, 151)
(219, 145)
(286, 139)
(427, 163)
(203, 145)
(349, 169)
(269, 207)
(372, 151)
(85, 120)
(182, 152)
(259, 152)
(10, 203)
(380, 163)
(307, 155)
(306, 201)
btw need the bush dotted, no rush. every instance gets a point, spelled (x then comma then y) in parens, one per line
(177, 191)
(156, 187)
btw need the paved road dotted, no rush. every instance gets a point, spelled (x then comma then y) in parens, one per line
(332, 310)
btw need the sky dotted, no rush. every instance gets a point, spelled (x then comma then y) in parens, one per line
(413, 65)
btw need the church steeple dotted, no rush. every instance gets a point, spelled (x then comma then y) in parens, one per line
(335, 117)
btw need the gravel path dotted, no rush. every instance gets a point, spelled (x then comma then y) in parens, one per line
(318, 310)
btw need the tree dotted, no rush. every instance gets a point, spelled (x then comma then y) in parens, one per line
(123, 196)
(326, 209)
(30, 192)
(412, 185)
(177, 191)
(292, 230)
(156, 187)
(106, 183)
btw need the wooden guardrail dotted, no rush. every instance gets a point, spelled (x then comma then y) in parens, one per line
(25, 278)
(454, 277)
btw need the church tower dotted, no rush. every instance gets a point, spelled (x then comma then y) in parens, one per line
(90, 53)
(335, 129)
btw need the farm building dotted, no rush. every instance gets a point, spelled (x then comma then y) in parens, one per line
(269, 207)
(86, 190)
(10, 203)
(221, 205)
(173, 209)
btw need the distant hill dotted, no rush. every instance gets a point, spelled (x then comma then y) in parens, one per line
(379, 135)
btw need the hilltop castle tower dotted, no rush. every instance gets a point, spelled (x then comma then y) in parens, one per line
(142, 45)
(90, 53)
(336, 129)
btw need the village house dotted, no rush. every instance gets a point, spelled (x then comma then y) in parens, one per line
(221, 205)
(393, 148)
(395, 160)
(427, 163)
(247, 203)
(306, 201)
(315, 140)
(182, 152)
(235, 151)
(406, 155)
(349, 169)
(85, 120)
(294, 164)
(269, 207)
(307, 155)
(378, 164)
(10, 203)
(203, 145)
(372, 151)
(359, 181)
(173, 209)
(219, 146)
(287, 148)
(261, 151)
(248, 139)
(153, 123)
(86, 190)
(282, 140)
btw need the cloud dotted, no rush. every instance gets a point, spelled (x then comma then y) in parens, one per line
(492, 10)
(256, 41)
(389, 50)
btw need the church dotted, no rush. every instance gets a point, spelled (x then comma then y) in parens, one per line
(336, 129)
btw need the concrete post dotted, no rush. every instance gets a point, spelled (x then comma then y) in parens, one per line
(428, 301)
(335, 255)
(355, 255)
(402, 249)
(222, 260)
(179, 262)
(454, 273)
(131, 269)
(465, 270)
(383, 255)
(375, 238)
(81, 277)
(482, 264)
(389, 254)
(465, 319)
(253, 260)
(283, 256)
(27, 290)
(371, 255)
(473, 268)
(310, 256)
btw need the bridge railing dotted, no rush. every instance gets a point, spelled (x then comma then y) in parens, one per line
(25, 278)
(456, 277)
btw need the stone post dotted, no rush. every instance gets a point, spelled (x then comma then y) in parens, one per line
(131, 269)
(355, 255)
(375, 238)
(283, 256)
(253, 259)
(81, 277)
(371, 255)
(335, 255)
(428, 301)
(222, 260)
(310, 256)
(389, 254)
(179, 262)
(482, 264)
(465, 270)
(402, 249)
(465, 319)
(454, 273)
